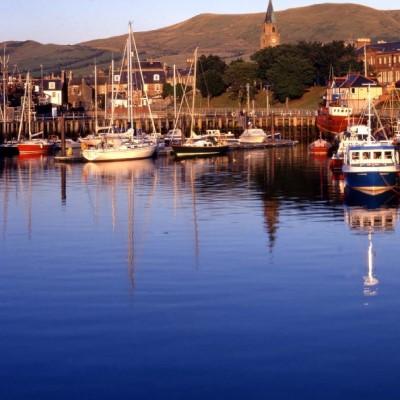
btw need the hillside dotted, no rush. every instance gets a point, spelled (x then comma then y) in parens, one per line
(230, 36)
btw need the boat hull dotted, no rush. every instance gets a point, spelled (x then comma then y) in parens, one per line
(331, 123)
(34, 148)
(8, 150)
(197, 151)
(136, 153)
(371, 182)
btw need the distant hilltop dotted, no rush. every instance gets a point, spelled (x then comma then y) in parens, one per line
(230, 36)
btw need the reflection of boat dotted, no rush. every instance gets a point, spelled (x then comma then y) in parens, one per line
(370, 215)
(119, 169)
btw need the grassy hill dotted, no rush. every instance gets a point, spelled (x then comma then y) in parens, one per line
(230, 36)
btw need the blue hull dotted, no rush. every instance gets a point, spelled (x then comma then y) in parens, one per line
(371, 182)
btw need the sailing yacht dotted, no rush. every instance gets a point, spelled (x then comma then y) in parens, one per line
(197, 145)
(33, 144)
(126, 147)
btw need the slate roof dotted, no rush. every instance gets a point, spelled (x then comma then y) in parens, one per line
(270, 15)
(353, 80)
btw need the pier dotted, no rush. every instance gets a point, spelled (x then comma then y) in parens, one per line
(293, 124)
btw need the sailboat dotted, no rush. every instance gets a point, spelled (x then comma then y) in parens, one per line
(31, 144)
(197, 145)
(127, 147)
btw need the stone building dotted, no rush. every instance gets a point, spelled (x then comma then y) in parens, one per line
(270, 36)
(383, 61)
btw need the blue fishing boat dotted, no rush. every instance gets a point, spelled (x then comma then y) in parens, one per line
(371, 168)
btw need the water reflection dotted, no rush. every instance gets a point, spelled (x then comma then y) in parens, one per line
(371, 215)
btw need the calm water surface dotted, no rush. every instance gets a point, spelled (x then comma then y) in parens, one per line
(243, 277)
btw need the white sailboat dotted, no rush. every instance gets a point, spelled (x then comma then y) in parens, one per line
(126, 147)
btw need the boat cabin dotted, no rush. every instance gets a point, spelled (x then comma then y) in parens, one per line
(340, 111)
(365, 156)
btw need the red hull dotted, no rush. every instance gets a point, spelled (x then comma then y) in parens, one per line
(34, 148)
(331, 123)
(336, 164)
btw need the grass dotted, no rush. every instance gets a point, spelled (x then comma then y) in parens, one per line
(310, 101)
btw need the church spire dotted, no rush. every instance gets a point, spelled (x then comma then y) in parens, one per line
(270, 36)
(270, 15)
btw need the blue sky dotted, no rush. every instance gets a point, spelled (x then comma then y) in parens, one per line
(74, 21)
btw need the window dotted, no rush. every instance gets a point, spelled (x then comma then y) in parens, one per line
(53, 94)
(388, 155)
(355, 156)
(353, 90)
(156, 77)
(377, 155)
(384, 60)
(52, 85)
(380, 60)
(366, 155)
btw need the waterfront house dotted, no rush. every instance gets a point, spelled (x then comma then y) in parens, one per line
(352, 91)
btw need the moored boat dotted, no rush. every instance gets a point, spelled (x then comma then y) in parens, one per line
(371, 168)
(319, 146)
(253, 136)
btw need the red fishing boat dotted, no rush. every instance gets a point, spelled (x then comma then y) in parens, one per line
(319, 146)
(333, 119)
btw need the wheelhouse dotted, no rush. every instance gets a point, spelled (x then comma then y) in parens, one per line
(364, 156)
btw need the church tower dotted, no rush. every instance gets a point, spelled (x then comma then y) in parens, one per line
(270, 36)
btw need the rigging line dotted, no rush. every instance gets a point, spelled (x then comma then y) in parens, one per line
(184, 95)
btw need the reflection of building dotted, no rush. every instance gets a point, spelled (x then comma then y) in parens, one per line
(371, 221)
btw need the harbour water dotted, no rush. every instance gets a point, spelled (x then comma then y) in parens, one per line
(247, 276)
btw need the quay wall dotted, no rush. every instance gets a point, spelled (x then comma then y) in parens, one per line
(299, 126)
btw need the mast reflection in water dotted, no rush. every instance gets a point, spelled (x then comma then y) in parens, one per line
(371, 215)
(228, 277)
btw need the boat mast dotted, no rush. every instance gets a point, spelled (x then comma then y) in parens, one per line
(28, 87)
(174, 92)
(369, 112)
(95, 97)
(194, 93)
(112, 92)
(130, 86)
(4, 92)
(143, 83)
(21, 120)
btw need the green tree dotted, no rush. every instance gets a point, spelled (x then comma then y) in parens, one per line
(238, 75)
(168, 90)
(210, 80)
(289, 76)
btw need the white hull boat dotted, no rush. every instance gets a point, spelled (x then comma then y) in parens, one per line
(123, 152)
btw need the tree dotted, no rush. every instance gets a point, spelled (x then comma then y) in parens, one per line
(211, 84)
(290, 75)
(168, 90)
(238, 75)
(211, 63)
(210, 80)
